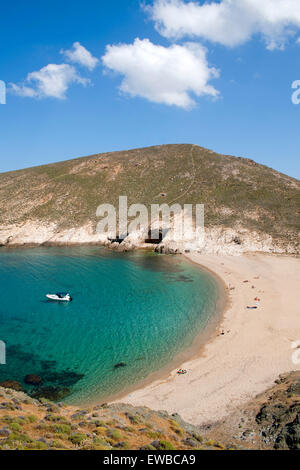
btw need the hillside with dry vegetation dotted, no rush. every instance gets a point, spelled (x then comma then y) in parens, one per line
(269, 421)
(29, 424)
(235, 191)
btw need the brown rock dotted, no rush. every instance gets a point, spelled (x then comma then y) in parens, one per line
(13, 384)
(32, 379)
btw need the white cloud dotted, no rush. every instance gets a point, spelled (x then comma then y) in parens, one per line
(51, 81)
(22, 90)
(80, 55)
(169, 75)
(228, 22)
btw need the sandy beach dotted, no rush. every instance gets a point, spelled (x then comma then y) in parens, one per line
(250, 348)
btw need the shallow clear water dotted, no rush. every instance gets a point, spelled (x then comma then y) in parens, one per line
(141, 309)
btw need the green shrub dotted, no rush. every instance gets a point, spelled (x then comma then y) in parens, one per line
(58, 444)
(148, 425)
(55, 418)
(62, 428)
(116, 435)
(197, 436)
(210, 443)
(13, 444)
(46, 427)
(129, 429)
(15, 427)
(30, 419)
(149, 447)
(134, 419)
(174, 423)
(77, 438)
(219, 446)
(125, 446)
(99, 442)
(36, 445)
(16, 438)
(154, 435)
(10, 419)
(166, 445)
(99, 447)
(99, 423)
(44, 401)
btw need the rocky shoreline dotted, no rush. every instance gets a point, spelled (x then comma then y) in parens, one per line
(217, 240)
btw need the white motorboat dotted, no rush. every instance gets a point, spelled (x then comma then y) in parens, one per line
(60, 297)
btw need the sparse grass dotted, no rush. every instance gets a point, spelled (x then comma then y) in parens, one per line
(36, 445)
(37, 429)
(116, 435)
(149, 447)
(15, 427)
(129, 429)
(210, 443)
(166, 445)
(176, 427)
(77, 438)
(219, 446)
(31, 419)
(62, 428)
(154, 434)
(100, 423)
(101, 430)
(58, 444)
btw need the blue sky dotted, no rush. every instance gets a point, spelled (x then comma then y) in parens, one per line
(185, 80)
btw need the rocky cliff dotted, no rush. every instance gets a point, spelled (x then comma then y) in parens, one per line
(269, 421)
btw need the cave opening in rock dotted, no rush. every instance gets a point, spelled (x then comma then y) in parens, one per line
(155, 237)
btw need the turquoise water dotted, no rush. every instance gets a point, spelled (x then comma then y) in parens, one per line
(140, 309)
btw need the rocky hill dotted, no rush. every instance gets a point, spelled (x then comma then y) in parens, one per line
(270, 421)
(29, 424)
(248, 207)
